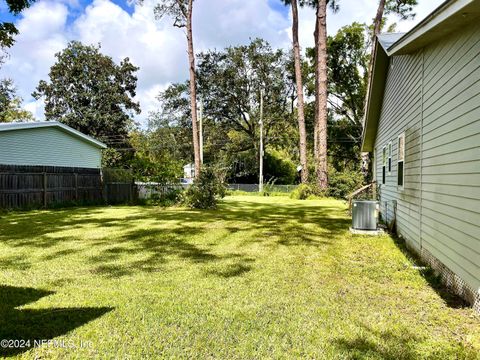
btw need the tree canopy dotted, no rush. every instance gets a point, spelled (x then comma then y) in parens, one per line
(8, 29)
(90, 92)
(11, 104)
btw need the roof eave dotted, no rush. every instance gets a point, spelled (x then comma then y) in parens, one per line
(448, 17)
(375, 97)
(63, 127)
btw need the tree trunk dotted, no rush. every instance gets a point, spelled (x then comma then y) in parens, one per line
(193, 89)
(378, 19)
(377, 25)
(321, 114)
(300, 102)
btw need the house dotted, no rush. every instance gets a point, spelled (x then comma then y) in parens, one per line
(46, 163)
(422, 128)
(48, 143)
(188, 174)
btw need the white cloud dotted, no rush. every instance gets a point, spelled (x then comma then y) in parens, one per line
(156, 46)
(362, 11)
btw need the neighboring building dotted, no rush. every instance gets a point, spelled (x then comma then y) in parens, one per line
(188, 174)
(48, 143)
(46, 163)
(423, 127)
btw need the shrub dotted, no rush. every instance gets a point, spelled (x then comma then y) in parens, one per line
(170, 198)
(341, 184)
(205, 191)
(304, 191)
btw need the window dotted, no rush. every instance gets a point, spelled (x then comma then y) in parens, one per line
(384, 164)
(389, 158)
(401, 160)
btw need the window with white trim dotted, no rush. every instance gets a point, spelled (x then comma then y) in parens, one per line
(389, 158)
(401, 160)
(384, 163)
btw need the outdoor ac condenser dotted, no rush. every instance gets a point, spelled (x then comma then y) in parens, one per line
(364, 215)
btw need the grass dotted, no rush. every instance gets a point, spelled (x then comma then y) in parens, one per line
(260, 277)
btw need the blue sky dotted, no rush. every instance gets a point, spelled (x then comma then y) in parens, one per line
(125, 30)
(75, 9)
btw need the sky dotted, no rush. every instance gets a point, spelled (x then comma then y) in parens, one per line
(126, 29)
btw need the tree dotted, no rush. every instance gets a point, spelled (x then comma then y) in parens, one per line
(11, 104)
(300, 99)
(8, 29)
(401, 8)
(348, 57)
(91, 93)
(229, 82)
(321, 91)
(181, 11)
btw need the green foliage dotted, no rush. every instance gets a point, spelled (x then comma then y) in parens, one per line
(176, 9)
(304, 191)
(348, 59)
(280, 167)
(11, 104)
(401, 8)
(170, 198)
(156, 156)
(205, 191)
(8, 29)
(343, 183)
(111, 158)
(91, 93)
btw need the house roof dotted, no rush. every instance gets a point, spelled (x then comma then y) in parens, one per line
(55, 124)
(447, 18)
(388, 39)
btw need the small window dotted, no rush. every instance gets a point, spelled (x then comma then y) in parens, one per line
(384, 164)
(389, 158)
(401, 160)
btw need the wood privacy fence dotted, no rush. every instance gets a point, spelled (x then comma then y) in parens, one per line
(45, 186)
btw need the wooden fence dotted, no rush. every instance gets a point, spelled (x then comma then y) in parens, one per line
(46, 186)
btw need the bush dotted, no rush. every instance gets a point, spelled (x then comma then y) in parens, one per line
(304, 191)
(341, 184)
(205, 191)
(169, 198)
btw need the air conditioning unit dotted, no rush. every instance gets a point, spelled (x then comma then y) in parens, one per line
(364, 215)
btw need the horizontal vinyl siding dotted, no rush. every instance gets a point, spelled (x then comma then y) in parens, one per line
(401, 112)
(47, 146)
(451, 153)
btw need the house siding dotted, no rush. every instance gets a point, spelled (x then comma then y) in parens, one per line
(401, 112)
(433, 96)
(47, 146)
(450, 223)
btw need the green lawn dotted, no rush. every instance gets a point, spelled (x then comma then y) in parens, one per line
(259, 277)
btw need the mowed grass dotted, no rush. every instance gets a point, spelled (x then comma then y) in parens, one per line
(260, 277)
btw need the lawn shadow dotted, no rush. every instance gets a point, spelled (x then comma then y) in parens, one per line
(381, 344)
(434, 280)
(154, 245)
(35, 325)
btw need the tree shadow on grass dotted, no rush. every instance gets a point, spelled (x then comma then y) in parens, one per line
(35, 325)
(451, 299)
(380, 344)
(276, 225)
